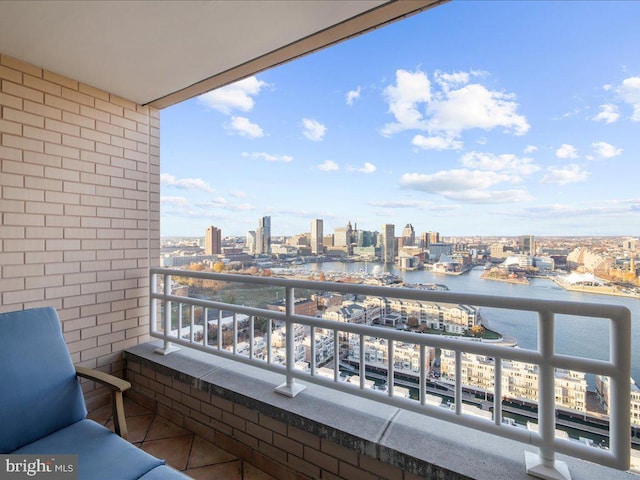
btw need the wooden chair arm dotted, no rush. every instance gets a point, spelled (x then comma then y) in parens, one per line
(117, 386)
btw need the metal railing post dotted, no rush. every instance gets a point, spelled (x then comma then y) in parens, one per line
(620, 393)
(290, 388)
(544, 465)
(167, 348)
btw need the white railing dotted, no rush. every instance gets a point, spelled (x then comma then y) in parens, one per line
(543, 465)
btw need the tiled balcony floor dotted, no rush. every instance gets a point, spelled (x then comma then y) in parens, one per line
(180, 448)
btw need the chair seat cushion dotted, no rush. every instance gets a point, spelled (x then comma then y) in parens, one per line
(164, 473)
(101, 453)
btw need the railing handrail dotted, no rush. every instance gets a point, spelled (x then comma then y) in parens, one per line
(617, 367)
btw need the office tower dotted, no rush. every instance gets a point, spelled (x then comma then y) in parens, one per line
(316, 236)
(527, 244)
(434, 237)
(251, 242)
(424, 240)
(213, 241)
(388, 243)
(263, 236)
(408, 236)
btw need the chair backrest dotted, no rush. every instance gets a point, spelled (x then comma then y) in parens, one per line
(39, 391)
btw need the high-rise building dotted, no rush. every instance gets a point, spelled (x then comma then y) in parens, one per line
(527, 244)
(434, 237)
(316, 236)
(408, 236)
(213, 241)
(263, 236)
(251, 241)
(388, 243)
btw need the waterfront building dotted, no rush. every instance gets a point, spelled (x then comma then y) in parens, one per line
(437, 249)
(259, 348)
(361, 313)
(447, 317)
(527, 244)
(324, 346)
(343, 237)
(497, 250)
(603, 391)
(251, 242)
(303, 306)
(365, 253)
(544, 264)
(388, 243)
(518, 261)
(519, 379)
(328, 240)
(408, 236)
(406, 357)
(316, 237)
(263, 236)
(364, 238)
(213, 241)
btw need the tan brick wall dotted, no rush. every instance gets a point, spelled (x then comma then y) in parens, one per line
(79, 210)
(283, 451)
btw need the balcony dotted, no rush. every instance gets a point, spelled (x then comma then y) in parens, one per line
(285, 420)
(79, 231)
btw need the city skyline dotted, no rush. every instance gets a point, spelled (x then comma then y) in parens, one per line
(473, 118)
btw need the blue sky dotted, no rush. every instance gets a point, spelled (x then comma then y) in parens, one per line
(473, 118)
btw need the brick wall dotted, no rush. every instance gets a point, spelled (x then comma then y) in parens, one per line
(79, 210)
(284, 451)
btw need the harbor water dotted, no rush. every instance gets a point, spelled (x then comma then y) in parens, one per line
(580, 336)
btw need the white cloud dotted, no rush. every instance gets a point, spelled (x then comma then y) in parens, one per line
(572, 173)
(465, 185)
(179, 202)
(490, 196)
(605, 150)
(474, 106)
(608, 113)
(613, 207)
(237, 96)
(269, 157)
(447, 81)
(240, 207)
(399, 204)
(630, 93)
(436, 143)
(313, 129)
(505, 162)
(455, 107)
(352, 95)
(567, 151)
(185, 183)
(366, 168)
(530, 149)
(451, 180)
(411, 89)
(237, 194)
(245, 127)
(328, 166)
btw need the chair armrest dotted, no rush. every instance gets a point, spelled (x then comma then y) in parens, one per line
(114, 383)
(117, 386)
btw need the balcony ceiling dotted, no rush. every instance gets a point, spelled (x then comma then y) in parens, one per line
(163, 52)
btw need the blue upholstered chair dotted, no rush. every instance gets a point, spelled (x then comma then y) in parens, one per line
(42, 410)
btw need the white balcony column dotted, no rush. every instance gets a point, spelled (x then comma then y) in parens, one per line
(290, 388)
(620, 391)
(544, 465)
(167, 348)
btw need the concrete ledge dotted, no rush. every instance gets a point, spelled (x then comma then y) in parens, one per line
(416, 445)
